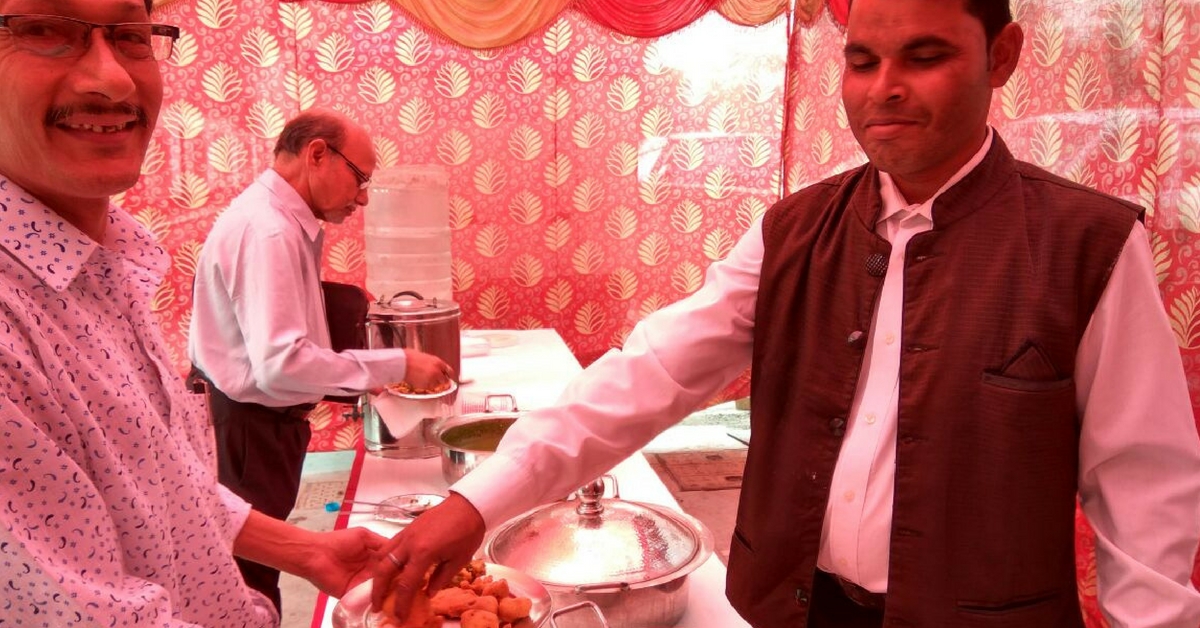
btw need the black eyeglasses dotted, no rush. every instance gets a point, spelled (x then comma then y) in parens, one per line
(66, 37)
(359, 175)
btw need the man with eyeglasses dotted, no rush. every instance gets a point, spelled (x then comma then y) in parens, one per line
(259, 332)
(111, 512)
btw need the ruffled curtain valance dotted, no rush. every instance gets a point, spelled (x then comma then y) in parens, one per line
(496, 23)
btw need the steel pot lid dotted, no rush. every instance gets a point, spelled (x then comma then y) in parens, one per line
(596, 544)
(411, 306)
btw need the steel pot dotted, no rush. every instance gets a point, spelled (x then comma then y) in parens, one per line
(407, 321)
(469, 439)
(629, 558)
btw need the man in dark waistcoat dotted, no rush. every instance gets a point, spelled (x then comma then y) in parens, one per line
(948, 347)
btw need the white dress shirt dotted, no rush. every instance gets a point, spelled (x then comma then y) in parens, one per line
(112, 515)
(1139, 468)
(258, 327)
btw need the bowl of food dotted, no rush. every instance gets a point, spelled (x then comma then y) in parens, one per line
(469, 439)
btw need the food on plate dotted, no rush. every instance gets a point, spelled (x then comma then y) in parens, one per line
(473, 597)
(420, 614)
(513, 609)
(475, 618)
(452, 601)
(405, 388)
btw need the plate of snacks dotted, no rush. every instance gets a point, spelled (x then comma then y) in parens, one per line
(481, 594)
(404, 390)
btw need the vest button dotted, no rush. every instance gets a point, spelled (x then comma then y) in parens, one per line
(837, 426)
(801, 596)
(854, 337)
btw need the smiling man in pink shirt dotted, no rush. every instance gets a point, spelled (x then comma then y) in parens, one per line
(112, 513)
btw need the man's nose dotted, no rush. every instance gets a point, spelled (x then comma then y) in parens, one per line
(102, 70)
(889, 84)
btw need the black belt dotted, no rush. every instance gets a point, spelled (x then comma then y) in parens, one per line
(855, 593)
(199, 383)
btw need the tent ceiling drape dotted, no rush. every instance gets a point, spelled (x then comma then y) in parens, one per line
(496, 23)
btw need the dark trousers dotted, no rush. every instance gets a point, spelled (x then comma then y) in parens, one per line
(260, 454)
(832, 609)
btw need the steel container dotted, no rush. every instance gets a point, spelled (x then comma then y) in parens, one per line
(629, 558)
(408, 321)
(465, 441)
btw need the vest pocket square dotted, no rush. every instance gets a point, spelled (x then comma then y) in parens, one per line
(1028, 369)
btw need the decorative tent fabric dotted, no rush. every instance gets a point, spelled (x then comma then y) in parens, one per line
(595, 175)
(495, 23)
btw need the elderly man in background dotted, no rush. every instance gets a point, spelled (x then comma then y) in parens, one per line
(111, 515)
(259, 332)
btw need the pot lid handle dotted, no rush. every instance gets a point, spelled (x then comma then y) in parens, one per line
(590, 494)
(405, 293)
(414, 300)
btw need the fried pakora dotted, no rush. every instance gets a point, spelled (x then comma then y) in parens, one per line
(474, 597)
(404, 388)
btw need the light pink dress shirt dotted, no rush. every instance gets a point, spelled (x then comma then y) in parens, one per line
(1139, 474)
(258, 325)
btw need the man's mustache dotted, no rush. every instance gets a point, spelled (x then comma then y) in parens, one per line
(59, 114)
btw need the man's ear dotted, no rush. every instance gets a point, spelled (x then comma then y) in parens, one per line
(1004, 54)
(316, 152)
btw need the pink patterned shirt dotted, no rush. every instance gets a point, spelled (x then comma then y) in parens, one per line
(110, 514)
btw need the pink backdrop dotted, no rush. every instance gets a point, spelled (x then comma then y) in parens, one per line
(595, 175)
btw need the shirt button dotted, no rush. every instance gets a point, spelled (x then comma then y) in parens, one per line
(890, 338)
(849, 496)
(870, 418)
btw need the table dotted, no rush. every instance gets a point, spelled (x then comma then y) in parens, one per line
(534, 369)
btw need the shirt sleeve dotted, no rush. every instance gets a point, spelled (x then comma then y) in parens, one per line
(673, 360)
(272, 301)
(1139, 467)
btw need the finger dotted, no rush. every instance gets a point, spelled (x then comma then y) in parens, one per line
(442, 576)
(384, 571)
(406, 585)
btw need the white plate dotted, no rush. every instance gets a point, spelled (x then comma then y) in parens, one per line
(437, 395)
(354, 609)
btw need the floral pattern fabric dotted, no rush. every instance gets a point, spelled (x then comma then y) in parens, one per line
(594, 175)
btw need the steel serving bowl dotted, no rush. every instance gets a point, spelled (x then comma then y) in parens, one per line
(631, 559)
(469, 439)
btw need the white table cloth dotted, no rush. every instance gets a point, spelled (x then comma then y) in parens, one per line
(534, 369)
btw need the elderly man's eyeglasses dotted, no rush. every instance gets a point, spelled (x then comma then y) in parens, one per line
(359, 175)
(65, 37)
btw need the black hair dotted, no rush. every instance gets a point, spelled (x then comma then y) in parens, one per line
(994, 14)
(309, 126)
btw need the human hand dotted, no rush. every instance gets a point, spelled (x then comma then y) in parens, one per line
(424, 371)
(445, 536)
(343, 558)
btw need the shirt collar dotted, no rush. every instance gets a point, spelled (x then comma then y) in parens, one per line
(894, 201)
(56, 251)
(291, 203)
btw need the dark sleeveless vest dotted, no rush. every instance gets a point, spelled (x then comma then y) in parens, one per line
(996, 299)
